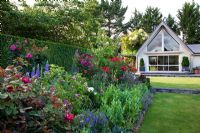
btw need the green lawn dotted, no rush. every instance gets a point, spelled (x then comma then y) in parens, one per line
(173, 113)
(175, 82)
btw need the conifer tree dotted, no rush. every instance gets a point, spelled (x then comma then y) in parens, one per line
(113, 13)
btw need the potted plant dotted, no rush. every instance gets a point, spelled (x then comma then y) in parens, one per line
(185, 64)
(142, 67)
(196, 70)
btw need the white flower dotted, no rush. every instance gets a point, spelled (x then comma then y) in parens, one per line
(90, 89)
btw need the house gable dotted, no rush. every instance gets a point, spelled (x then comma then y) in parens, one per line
(163, 35)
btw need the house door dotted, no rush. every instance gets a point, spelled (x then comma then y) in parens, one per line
(164, 63)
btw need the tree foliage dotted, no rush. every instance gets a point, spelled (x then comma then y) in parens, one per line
(189, 21)
(133, 41)
(151, 18)
(63, 21)
(147, 20)
(170, 21)
(113, 14)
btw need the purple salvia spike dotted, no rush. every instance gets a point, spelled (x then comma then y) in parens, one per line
(38, 71)
(47, 67)
(33, 72)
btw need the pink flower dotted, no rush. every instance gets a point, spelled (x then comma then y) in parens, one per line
(69, 117)
(13, 47)
(26, 80)
(29, 56)
(18, 76)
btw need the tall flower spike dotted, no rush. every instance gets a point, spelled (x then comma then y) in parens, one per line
(47, 67)
(33, 72)
(38, 71)
(28, 74)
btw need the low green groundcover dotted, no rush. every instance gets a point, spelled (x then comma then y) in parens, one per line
(176, 82)
(173, 113)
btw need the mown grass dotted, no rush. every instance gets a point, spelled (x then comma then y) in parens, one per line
(173, 113)
(175, 82)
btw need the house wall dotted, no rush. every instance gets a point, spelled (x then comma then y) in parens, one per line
(195, 61)
(183, 51)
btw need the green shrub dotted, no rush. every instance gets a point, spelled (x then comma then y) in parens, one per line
(141, 62)
(185, 62)
(123, 106)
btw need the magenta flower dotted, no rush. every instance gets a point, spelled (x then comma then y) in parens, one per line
(26, 80)
(29, 56)
(69, 117)
(13, 47)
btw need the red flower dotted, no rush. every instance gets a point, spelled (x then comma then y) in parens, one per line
(123, 68)
(134, 69)
(10, 88)
(105, 69)
(69, 117)
(26, 80)
(115, 59)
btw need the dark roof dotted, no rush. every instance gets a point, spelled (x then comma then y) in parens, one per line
(195, 48)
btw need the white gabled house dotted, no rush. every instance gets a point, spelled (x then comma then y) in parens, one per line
(163, 52)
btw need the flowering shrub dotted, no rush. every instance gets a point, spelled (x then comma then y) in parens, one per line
(69, 87)
(26, 105)
(86, 65)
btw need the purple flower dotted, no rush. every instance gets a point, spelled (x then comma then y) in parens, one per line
(47, 67)
(29, 56)
(13, 47)
(33, 73)
(65, 102)
(38, 71)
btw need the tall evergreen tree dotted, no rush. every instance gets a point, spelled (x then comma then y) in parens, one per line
(151, 18)
(189, 21)
(113, 13)
(135, 21)
(170, 21)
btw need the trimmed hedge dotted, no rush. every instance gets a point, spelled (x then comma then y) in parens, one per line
(57, 53)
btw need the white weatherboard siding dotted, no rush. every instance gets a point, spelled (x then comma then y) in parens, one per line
(195, 61)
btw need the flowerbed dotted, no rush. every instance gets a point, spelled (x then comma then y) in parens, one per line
(103, 95)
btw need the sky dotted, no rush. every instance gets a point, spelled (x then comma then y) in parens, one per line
(165, 6)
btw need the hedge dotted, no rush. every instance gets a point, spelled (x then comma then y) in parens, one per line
(57, 53)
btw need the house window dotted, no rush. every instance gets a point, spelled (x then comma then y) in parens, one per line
(164, 63)
(162, 42)
(169, 43)
(156, 44)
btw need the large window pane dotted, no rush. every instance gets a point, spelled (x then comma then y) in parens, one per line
(173, 68)
(160, 68)
(152, 68)
(160, 60)
(156, 44)
(153, 60)
(166, 60)
(173, 60)
(164, 63)
(169, 43)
